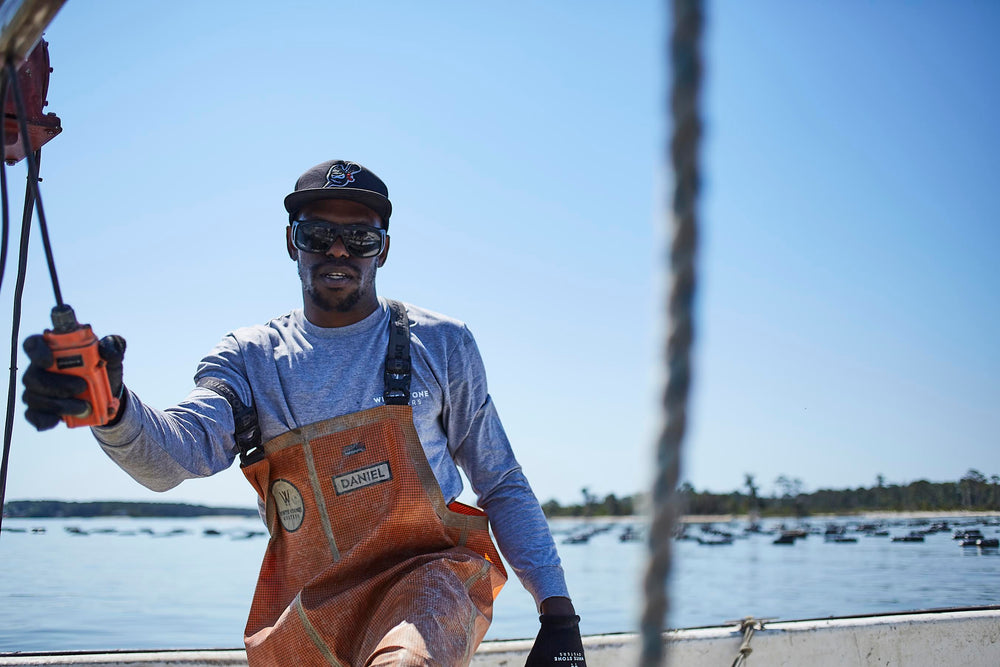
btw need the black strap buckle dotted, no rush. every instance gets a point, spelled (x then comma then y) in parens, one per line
(246, 430)
(397, 359)
(397, 366)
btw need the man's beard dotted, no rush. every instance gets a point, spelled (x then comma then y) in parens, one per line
(343, 305)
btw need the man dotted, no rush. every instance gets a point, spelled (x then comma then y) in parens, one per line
(350, 418)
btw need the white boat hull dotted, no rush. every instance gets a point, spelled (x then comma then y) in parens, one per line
(966, 637)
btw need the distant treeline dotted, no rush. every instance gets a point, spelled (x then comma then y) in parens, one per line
(42, 509)
(974, 491)
(611, 505)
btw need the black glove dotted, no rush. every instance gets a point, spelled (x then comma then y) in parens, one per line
(558, 643)
(49, 395)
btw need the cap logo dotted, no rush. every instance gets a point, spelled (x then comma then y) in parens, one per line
(341, 174)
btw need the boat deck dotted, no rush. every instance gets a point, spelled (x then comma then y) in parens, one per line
(931, 638)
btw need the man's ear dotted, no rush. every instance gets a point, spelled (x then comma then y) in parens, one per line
(293, 252)
(384, 254)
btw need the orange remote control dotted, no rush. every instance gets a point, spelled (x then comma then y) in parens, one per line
(74, 347)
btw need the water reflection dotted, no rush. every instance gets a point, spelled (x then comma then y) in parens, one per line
(131, 583)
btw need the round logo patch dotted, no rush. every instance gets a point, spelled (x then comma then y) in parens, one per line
(341, 174)
(288, 503)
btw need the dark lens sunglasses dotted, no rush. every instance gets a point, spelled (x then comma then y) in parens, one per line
(319, 236)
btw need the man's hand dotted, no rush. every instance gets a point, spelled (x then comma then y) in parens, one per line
(558, 641)
(50, 395)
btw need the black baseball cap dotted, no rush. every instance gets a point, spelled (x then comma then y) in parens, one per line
(340, 179)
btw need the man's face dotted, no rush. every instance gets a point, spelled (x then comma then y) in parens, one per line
(337, 288)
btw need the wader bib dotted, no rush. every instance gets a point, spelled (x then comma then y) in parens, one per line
(365, 559)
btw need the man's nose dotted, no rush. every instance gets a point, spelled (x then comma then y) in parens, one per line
(337, 248)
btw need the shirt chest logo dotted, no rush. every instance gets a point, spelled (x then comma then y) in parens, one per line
(362, 478)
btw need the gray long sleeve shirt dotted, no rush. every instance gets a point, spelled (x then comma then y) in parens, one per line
(296, 373)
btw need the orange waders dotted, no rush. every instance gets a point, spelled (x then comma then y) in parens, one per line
(366, 565)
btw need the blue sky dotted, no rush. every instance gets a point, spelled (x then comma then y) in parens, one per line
(847, 310)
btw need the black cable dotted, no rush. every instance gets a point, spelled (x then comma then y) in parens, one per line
(22, 121)
(3, 189)
(22, 270)
(32, 200)
(3, 268)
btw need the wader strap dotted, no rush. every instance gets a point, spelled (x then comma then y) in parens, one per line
(247, 432)
(397, 357)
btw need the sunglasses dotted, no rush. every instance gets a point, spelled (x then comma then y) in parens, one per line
(319, 236)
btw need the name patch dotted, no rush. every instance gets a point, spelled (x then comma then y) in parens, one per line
(288, 503)
(362, 477)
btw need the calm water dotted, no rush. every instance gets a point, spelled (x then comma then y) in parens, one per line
(163, 583)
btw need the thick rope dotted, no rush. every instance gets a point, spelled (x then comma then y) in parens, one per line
(747, 626)
(686, 66)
